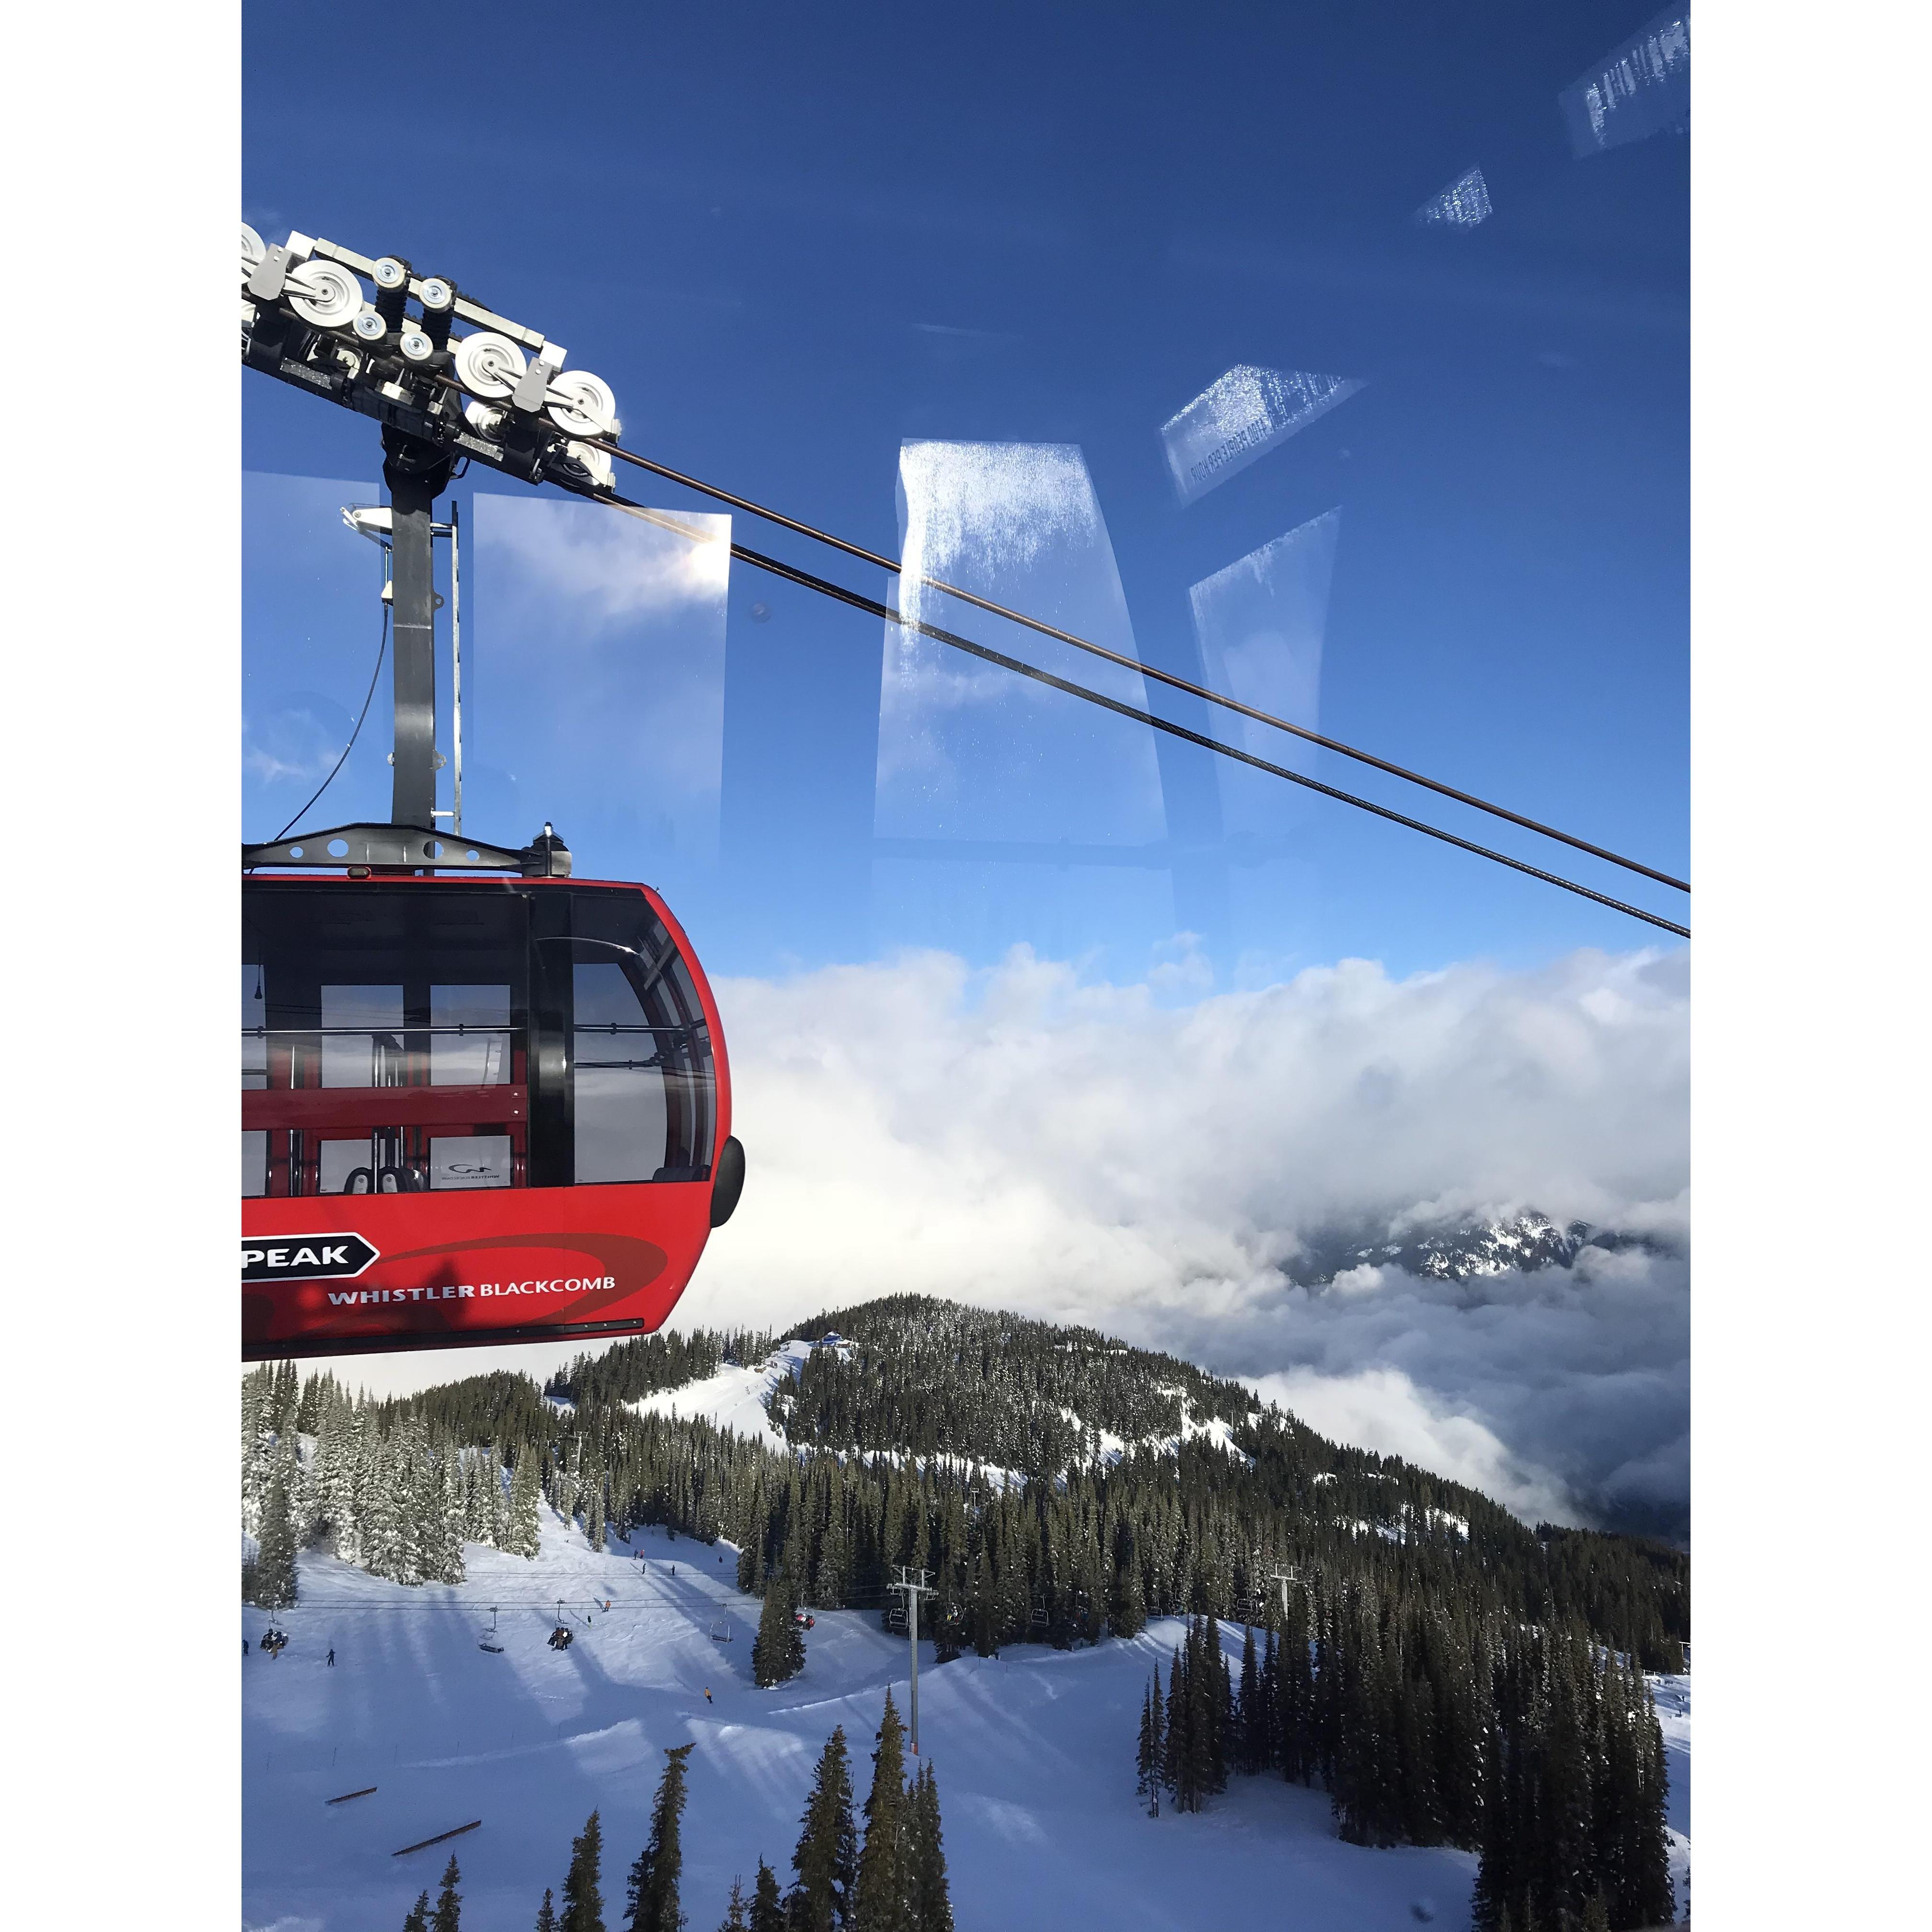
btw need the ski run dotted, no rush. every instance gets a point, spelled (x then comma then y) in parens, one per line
(1033, 1751)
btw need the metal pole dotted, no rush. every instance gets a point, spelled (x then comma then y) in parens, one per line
(456, 666)
(1284, 1578)
(416, 473)
(913, 1592)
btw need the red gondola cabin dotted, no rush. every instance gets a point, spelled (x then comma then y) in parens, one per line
(473, 1110)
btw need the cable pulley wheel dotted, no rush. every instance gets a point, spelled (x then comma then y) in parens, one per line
(324, 294)
(585, 464)
(253, 249)
(582, 404)
(489, 365)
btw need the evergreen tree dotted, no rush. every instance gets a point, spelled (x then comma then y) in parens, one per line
(1177, 1755)
(449, 1915)
(1250, 1706)
(523, 1536)
(931, 1901)
(1201, 1772)
(418, 1918)
(546, 1914)
(735, 1919)
(827, 1852)
(275, 1561)
(583, 1897)
(778, 1651)
(653, 1892)
(881, 1894)
(593, 1511)
(1222, 1745)
(768, 1913)
(1147, 1757)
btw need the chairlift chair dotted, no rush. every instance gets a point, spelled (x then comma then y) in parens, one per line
(489, 1640)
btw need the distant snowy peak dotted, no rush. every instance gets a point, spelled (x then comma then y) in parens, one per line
(1456, 1251)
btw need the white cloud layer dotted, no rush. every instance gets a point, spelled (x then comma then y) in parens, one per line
(1084, 1152)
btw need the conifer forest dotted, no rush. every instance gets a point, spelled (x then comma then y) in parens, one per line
(1446, 1674)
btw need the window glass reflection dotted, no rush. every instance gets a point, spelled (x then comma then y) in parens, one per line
(470, 1043)
(361, 1036)
(1637, 90)
(594, 683)
(1004, 810)
(1241, 416)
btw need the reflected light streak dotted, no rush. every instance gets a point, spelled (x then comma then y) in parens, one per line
(1239, 417)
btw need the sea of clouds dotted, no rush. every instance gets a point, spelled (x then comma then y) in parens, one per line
(1152, 1162)
(1018, 1138)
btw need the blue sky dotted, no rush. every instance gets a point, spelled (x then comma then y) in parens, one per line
(795, 242)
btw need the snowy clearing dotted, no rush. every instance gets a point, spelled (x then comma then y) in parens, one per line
(1033, 1749)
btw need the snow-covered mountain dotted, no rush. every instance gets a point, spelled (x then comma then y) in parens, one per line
(1454, 1251)
(447, 1703)
(1033, 1750)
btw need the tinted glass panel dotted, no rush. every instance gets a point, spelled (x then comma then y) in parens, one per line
(470, 1045)
(361, 1037)
(397, 1038)
(254, 1075)
(369, 997)
(640, 1053)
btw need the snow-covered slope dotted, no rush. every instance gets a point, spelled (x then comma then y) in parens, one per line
(1673, 1718)
(1033, 1751)
(734, 1398)
(738, 1399)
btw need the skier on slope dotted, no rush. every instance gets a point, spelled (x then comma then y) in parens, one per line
(332, 1657)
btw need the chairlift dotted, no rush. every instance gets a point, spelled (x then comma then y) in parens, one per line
(803, 1620)
(489, 1640)
(561, 1637)
(721, 1629)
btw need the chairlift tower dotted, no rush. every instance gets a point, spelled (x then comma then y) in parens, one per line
(1291, 1576)
(913, 1591)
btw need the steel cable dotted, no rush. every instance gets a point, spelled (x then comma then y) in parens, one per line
(874, 608)
(1146, 670)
